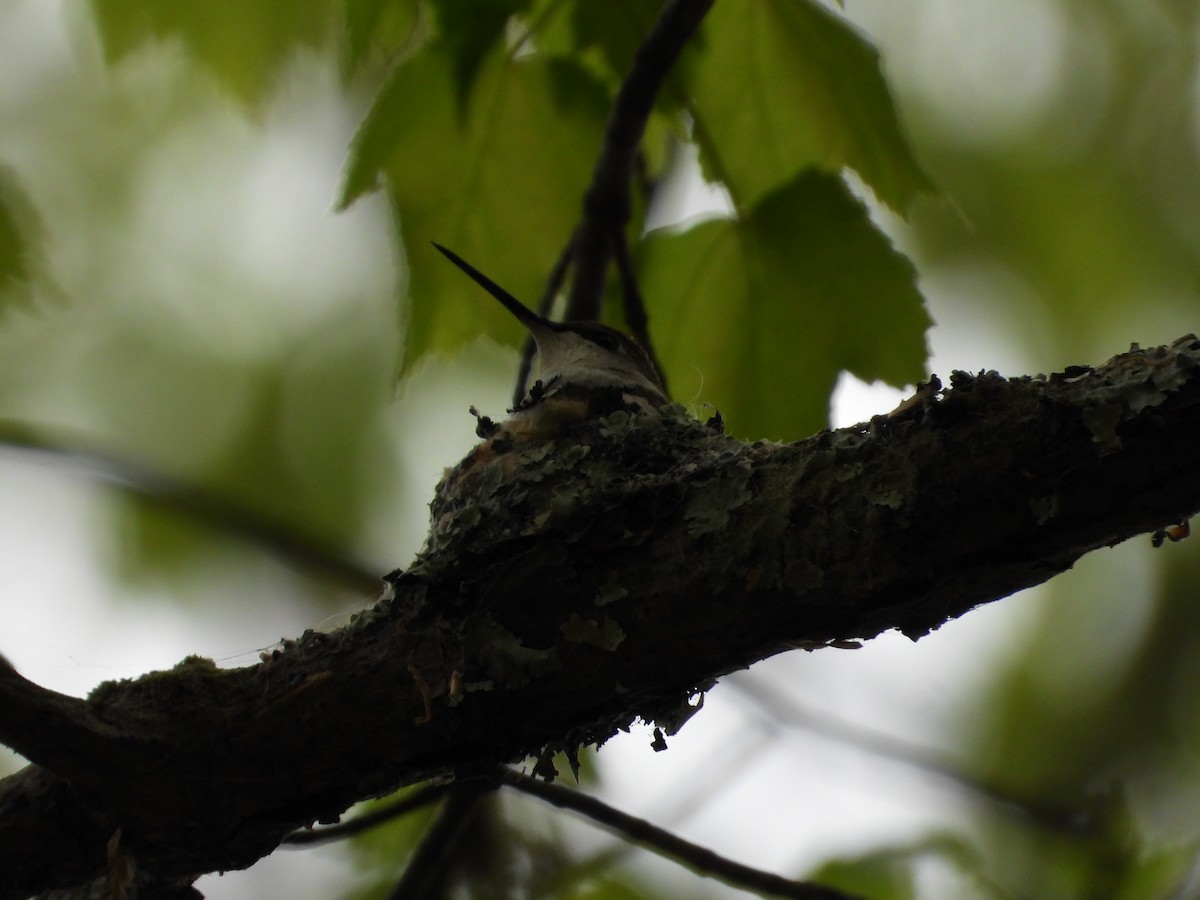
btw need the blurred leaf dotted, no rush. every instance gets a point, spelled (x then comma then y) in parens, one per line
(363, 19)
(385, 25)
(890, 872)
(1163, 870)
(499, 183)
(226, 454)
(244, 43)
(1103, 727)
(1085, 236)
(246, 485)
(383, 850)
(614, 31)
(880, 875)
(787, 84)
(157, 542)
(604, 887)
(21, 237)
(603, 38)
(471, 29)
(772, 308)
(617, 28)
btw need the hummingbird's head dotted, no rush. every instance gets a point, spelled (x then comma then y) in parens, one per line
(582, 354)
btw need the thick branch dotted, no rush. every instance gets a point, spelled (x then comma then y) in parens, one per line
(572, 587)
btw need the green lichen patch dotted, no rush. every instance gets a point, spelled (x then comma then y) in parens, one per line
(1102, 420)
(605, 634)
(890, 498)
(504, 657)
(611, 593)
(1134, 382)
(711, 502)
(1044, 508)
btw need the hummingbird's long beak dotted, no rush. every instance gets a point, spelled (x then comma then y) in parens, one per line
(526, 316)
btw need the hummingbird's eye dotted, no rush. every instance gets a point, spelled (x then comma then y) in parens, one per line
(605, 340)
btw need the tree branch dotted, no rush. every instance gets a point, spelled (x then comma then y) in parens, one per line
(418, 799)
(426, 873)
(699, 859)
(567, 591)
(606, 203)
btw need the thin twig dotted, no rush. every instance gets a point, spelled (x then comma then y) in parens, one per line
(427, 866)
(737, 754)
(420, 798)
(606, 203)
(695, 857)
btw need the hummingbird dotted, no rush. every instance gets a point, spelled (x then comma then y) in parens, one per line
(585, 369)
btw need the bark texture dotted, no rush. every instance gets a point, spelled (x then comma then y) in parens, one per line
(571, 587)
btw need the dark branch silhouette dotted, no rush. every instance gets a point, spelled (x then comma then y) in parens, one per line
(426, 873)
(606, 204)
(699, 859)
(418, 799)
(728, 553)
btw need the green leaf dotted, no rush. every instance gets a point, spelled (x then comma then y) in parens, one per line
(603, 38)
(878, 874)
(471, 29)
(759, 316)
(787, 84)
(244, 43)
(616, 28)
(383, 25)
(890, 871)
(606, 886)
(20, 240)
(498, 181)
(381, 851)
(613, 32)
